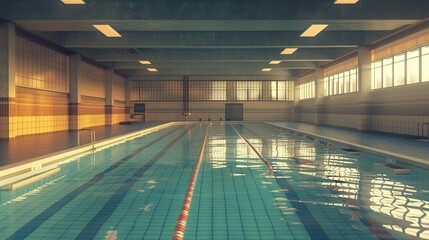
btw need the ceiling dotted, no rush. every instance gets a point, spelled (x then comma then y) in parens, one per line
(213, 37)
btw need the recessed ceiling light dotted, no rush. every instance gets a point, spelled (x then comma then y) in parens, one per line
(152, 69)
(145, 62)
(266, 69)
(275, 62)
(289, 50)
(107, 30)
(313, 30)
(346, 1)
(73, 1)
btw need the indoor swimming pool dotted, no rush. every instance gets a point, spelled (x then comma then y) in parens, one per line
(217, 181)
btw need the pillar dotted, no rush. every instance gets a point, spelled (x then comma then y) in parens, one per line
(364, 84)
(109, 104)
(319, 75)
(128, 104)
(7, 80)
(74, 88)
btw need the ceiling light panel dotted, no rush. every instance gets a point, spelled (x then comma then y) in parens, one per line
(266, 69)
(152, 69)
(346, 1)
(107, 30)
(73, 1)
(145, 62)
(313, 30)
(289, 50)
(275, 62)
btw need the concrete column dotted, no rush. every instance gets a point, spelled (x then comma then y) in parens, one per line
(231, 90)
(128, 104)
(319, 75)
(74, 95)
(109, 97)
(296, 107)
(364, 84)
(266, 90)
(7, 80)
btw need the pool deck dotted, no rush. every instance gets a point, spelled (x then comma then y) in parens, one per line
(401, 146)
(32, 146)
(27, 147)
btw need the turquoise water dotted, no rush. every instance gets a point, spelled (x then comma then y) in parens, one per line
(136, 189)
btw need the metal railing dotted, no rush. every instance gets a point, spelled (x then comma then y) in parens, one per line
(421, 130)
(92, 131)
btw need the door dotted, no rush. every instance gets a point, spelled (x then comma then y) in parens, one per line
(234, 111)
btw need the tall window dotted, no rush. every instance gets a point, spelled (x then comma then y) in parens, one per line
(410, 67)
(341, 83)
(377, 75)
(242, 91)
(307, 90)
(218, 90)
(413, 66)
(354, 80)
(387, 72)
(254, 90)
(399, 70)
(273, 90)
(425, 64)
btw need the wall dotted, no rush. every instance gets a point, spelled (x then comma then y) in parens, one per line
(399, 109)
(40, 90)
(380, 107)
(41, 87)
(119, 99)
(163, 97)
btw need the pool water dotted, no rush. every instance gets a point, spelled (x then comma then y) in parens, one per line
(299, 190)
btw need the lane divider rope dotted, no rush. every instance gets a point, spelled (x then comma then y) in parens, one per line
(183, 217)
(266, 162)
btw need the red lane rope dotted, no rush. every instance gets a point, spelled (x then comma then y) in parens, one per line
(179, 231)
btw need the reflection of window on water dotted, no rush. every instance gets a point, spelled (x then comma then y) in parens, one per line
(398, 200)
(346, 177)
(306, 151)
(281, 149)
(217, 153)
(244, 151)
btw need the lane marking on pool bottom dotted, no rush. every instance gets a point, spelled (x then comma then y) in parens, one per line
(179, 231)
(37, 221)
(311, 225)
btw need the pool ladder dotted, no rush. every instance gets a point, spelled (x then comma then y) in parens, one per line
(92, 131)
(421, 131)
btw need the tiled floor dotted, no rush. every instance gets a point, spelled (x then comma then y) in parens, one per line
(32, 146)
(395, 144)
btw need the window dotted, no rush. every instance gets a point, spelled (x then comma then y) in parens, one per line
(346, 81)
(326, 86)
(387, 72)
(307, 90)
(354, 80)
(242, 91)
(413, 66)
(254, 90)
(218, 90)
(335, 84)
(399, 70)
(377, 75)
(331, 83)
(273, 90)
(340, 83)
(425, 64)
